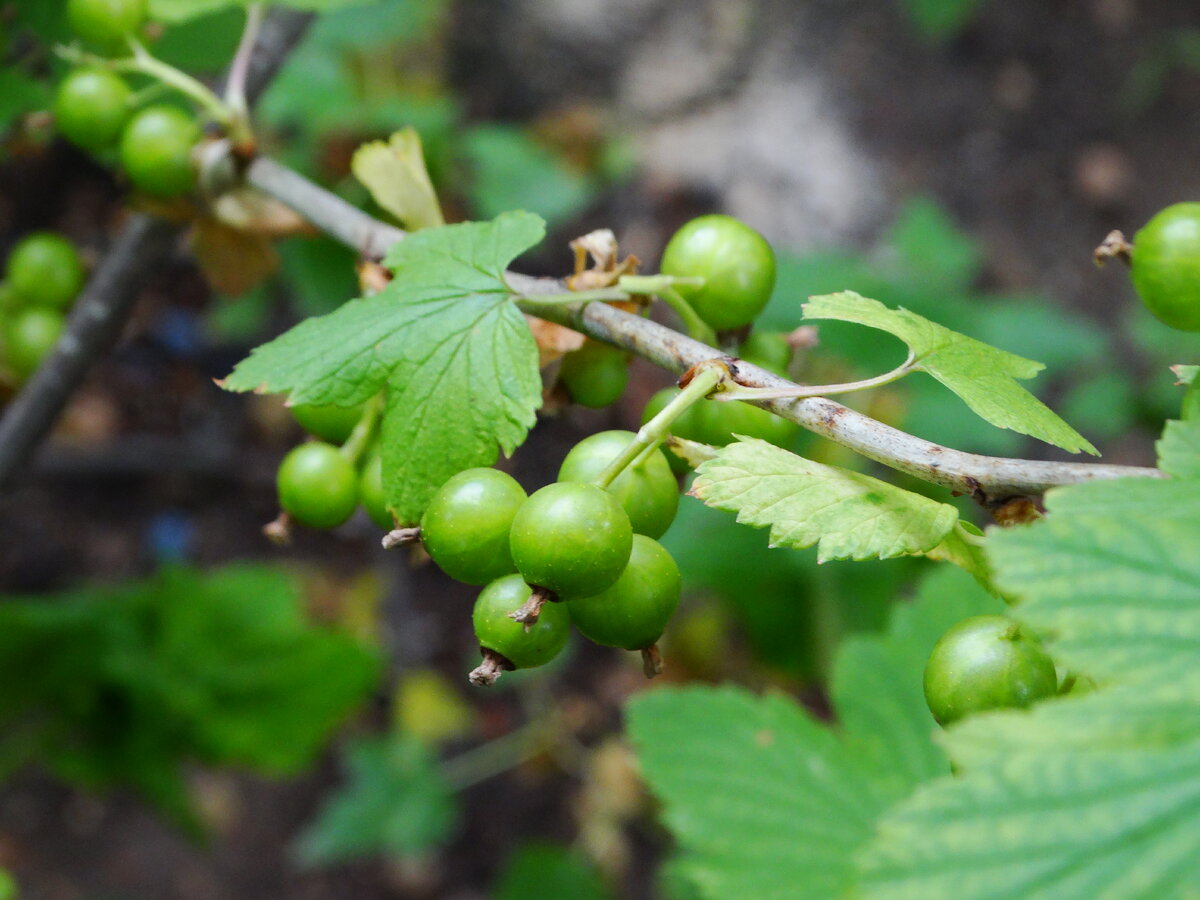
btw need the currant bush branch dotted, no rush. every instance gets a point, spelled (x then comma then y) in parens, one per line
(989, 479)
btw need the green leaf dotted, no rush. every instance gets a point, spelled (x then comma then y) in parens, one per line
(395, 174)
(395, 803)
(538, 870)
(1186, 374)
(1179, 449)
(126, 685)
(19, 94)
(1102, 823)
(981, 375)
(848, 515)
(259, 685)
(1110, 576)
(1105, 783)
(444, 337)
(767, 802)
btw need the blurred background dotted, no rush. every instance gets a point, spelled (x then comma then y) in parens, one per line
(302, 726)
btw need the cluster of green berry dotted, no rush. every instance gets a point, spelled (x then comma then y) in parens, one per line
(43, 276)
(96, 109)
(572, 552)
(320, 483)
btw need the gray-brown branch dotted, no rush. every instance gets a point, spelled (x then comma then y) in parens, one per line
(990, 479)
(100, 313)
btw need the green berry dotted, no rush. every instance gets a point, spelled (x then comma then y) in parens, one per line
(983, 663)
(595, 375)
(571, 539)
(105, 23)
(768, 350)
(1165, 266)
(91, 107)
(29, 336)
(736, 263)
(521, 648)
(156, 151)
(329, 423)
(649, 493)
(465, 528)
(317, 485)
(370, 492)
(44, 269)
(633, 612)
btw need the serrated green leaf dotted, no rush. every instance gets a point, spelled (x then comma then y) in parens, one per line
(1110, 576)
(848, 515)
(982, 376)
(396, 802)
(395, 174)
(1107, 823)
(1162, 714)
(458, 361)
(767, 802)
(1179, 449)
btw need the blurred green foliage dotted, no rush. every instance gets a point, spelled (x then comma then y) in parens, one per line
(125, 685)
(940, 20)
(396, 803)
(539, 870)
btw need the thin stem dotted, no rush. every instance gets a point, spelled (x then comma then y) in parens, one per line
(653, 284)
(364, 431)
(696, 327)
(574, 297)
(488, 760)
(818, 390)
(235, 86)
(655, 431)
(142, 61)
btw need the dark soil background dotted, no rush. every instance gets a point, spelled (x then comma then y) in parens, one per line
(1021, 126)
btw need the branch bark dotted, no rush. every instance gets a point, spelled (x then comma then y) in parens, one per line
(990, 480)
(102, 309)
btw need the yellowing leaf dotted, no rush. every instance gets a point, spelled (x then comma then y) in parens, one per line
(395, 174)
